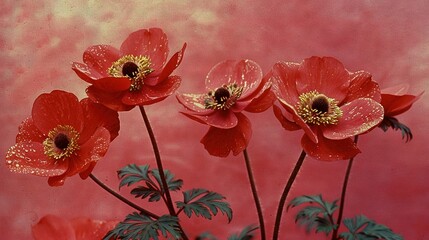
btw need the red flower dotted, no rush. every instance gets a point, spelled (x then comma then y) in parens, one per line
(52, 227)
(62, 137)
(328, 102)
(136, 74)
(395, 101)
(231, 87)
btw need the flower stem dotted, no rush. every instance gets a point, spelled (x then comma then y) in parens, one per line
(343, 195)
(255, 194)
(285, 193)
(122, 198)
(169, 202)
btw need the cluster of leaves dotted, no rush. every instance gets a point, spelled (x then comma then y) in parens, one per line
(245, 234)
(138, 226)
(391, 122)
(319, 217)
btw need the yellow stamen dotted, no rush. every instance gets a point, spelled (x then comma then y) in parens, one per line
(134, 67)
(318, 109)
(224, 97)
(61, 142)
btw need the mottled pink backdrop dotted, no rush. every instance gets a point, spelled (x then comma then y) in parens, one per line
(390, 39)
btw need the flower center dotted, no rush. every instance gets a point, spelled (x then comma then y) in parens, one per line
(61, 142)
(224, 97)
(134, 67)
(318, 109)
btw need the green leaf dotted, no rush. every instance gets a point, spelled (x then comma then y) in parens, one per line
(206, 236)
(132, 174)
(202, 202)
(362, 228)
(246, 234)
(173, 184)
(140, 227)
(391, 122)
(318, 218)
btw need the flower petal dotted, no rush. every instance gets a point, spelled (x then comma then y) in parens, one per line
(283, 75)
(87, 229)
(110, 100)
(262, 102)
(362, 86)
(28, 132)
(152, 94)
(86, 73)
(329, 150)
(358, 117)
(100, 58)
(113, 84)
(97, 115)
(400, 89)
(52, 227)
(152, 43)
(172, 64)
(193, 102)
(220, 142)
(29, 158)
(286, 123)
(395, 105)
(326, 75)
(57, 108)
(245, 73)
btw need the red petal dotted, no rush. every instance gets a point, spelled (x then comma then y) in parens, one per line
(110, 100)
(113, 84)
(395, 105)
(262, 102)
(97, 115)
(194, 102)
(283, 75)
(245, 73)
(362, 86)
(152, 43)
(400, 89)
(29, 158)
(326, 75)
(28, 132)
(288, 125)
(220, 142)
(152, 94)
(358, 117)
(172, 64)
(88, 229)
(329, 150)
(86, 73)
(99, 58)
(57, 108)
(51, 227)
(222, 119)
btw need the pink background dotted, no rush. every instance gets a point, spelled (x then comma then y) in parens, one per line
(390, 39)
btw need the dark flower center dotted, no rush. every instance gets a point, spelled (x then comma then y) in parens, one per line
(321, 104)
(61, 141)
(130, 69)
(221, 95)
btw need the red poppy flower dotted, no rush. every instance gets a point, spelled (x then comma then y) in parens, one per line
(136, 74)
(395, 101)
(52, 227)
(231, 87)
(62, 137)
(328, 102)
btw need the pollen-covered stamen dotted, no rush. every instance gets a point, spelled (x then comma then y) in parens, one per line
(316, 108)
(62, 142)
(134, 67)
(224, 97)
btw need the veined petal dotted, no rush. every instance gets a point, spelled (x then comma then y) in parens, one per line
(100, 58)
(362, 86)
(220, 142)
(57, 108)
(110, 100)
(152, 94)
(283, 76)
(152, 43)
(286, 123)
(28, 132)
(244, 73)
(29, 158)
(329, 150)
(325, 75)
(395, 105)
(97, 115)
(358, 117)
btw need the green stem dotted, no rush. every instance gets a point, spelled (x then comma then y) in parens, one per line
(122, 198)
(169, 201)
(285, 193)
(343, 195)
(255, 194)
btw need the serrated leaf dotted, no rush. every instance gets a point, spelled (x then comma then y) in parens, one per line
(362, 228)
(132, 174)
(140, 227)
(318, 218)
(204, 203)
(173, 184)
(205, 236)
(391, 122)
(246, 234)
